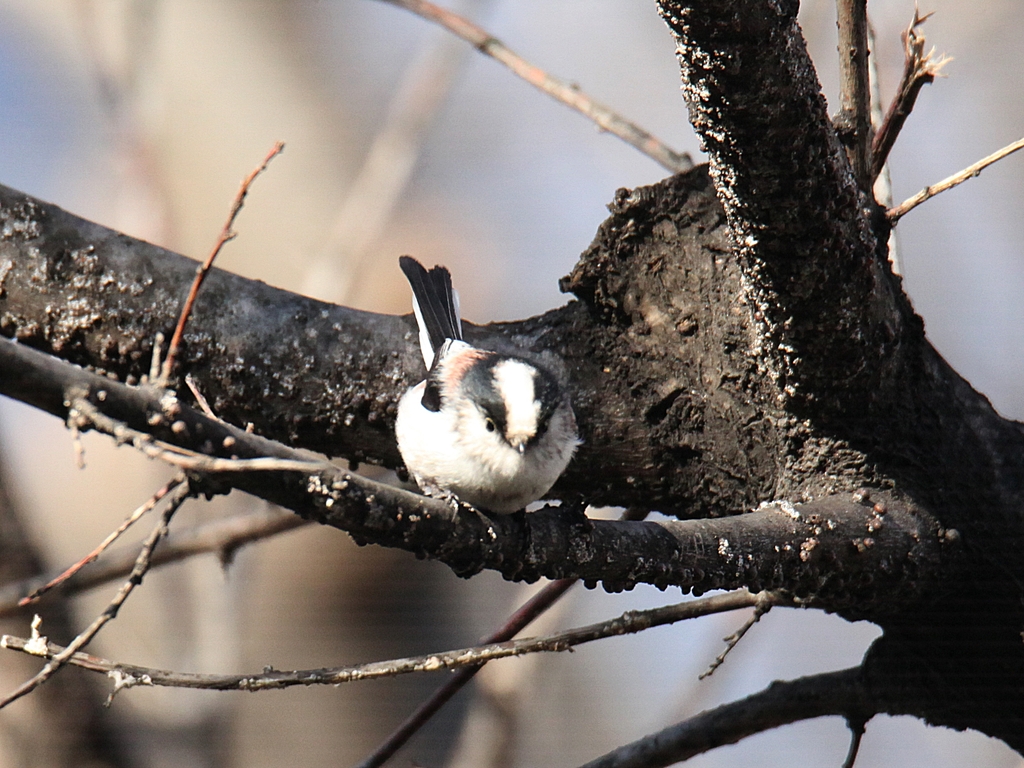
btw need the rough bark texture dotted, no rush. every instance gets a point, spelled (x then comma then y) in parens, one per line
(662, 421)
(738, 338)
(849, 356)
(846, 553)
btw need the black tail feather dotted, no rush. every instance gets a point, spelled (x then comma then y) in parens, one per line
(438, 306)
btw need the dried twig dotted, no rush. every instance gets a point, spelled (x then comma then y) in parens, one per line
(515, 624)
(223, 537)
(126, 675)
(226, 234)
(606, 119)
(895, 214)
(919, 68)
(855, 98)
(765, 601)
(198, 395)
(151, 502)
(87, 414)
(65, 655)
(530, 610)
(882, 187)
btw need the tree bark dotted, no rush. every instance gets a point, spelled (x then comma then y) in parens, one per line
(738, 337)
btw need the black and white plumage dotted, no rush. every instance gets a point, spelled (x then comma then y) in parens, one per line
(496, 431)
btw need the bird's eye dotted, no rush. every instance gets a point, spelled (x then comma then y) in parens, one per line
(490, 425)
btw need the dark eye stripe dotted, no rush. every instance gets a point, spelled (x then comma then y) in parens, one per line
(431, 396)
(479, 386)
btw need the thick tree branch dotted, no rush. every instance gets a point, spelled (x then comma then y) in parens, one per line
(847, 553)
(837, 336)
(327, 378)
(830, 313)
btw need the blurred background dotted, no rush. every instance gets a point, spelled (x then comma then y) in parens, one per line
(144, 115)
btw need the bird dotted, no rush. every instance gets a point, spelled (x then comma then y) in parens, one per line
(488, 429)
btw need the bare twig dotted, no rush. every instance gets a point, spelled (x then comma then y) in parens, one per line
(606, 119)
(515, 623)
(226, 234)
(855, 99)
(919, 68)
(65, 655)
(154, 361)
(88, 415)
(765, 601)
(223, 537)
(895, 214)
(127, 675)
(77, 446)
(198, 395)
(831, 693)
(151, 502)
(530, 610)
(883, 180)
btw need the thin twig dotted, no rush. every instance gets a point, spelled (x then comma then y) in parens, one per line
(77, 446)
(223, 537)
(919, 68)
(87, 414)
(855, 97)
(606, 119)
(765, 601)
(198, 395)
(145, 507)
(515, 624)
(530, 610)
(895, 214)
(630, 622)
(226, 234)
(65, 655)
(882, 187)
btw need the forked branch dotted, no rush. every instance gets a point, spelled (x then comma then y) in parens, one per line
(919, 68)
(628, 623)
(56, 661)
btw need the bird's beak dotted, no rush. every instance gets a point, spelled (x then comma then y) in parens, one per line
(518, 441)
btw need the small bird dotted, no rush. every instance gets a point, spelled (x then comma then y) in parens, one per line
(494, 431)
